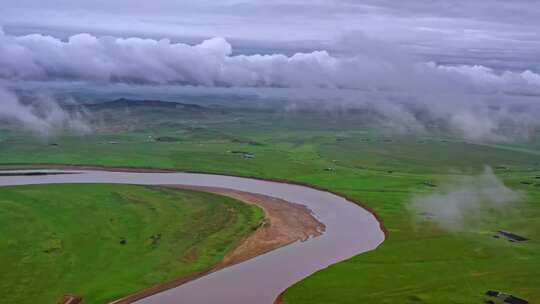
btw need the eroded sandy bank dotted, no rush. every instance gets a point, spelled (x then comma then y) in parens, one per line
(284, 223)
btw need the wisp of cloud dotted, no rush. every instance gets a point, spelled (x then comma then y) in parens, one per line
(43, 115)
(463, 199)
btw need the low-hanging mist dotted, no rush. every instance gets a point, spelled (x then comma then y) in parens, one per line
(463, 199)
(40, 114)
(472, 117)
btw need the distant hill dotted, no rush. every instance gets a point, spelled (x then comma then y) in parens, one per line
(122, 103)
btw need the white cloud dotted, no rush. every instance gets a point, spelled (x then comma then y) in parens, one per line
(211, 63)
(484, 32)
(408, 95)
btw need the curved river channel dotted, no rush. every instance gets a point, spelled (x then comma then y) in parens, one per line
(350, 230)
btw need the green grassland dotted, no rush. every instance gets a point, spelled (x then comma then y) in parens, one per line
(106, 241)
(418, 263)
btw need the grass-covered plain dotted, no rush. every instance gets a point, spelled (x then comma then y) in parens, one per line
(106, 241)
(418, 263)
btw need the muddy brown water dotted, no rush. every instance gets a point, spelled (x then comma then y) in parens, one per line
(350, 230)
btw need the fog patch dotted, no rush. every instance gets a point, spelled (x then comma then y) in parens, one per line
(41, 114)
(469, 117)
(464, 199)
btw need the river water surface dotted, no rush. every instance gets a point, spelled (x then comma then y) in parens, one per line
(350, 230)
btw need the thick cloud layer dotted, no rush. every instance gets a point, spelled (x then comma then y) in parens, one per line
(359, 63)
(473, 102)
(465, 198)
(496, 33)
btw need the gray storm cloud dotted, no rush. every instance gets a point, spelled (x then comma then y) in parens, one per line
(465, 198)
(43, 115)
(211, 63)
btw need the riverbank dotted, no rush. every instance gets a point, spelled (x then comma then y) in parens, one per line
(23, 166)
(104, 241)
(350, 230)
(283, 224)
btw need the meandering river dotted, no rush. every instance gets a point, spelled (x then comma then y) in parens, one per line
(350, 230)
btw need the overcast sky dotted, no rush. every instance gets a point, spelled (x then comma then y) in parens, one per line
(481, 46)
(500, 34)
(465, 60)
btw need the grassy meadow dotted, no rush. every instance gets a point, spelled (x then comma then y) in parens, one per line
(107, 241)
(419, 262)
